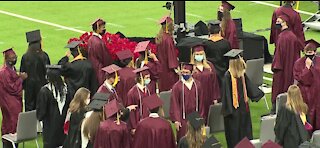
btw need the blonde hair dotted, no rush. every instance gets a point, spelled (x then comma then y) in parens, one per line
(91, 125)
(204, 61)
(295, 101)
(194, 137)
(237, 67)
(224, 23)
(79, 100)
(162, 30)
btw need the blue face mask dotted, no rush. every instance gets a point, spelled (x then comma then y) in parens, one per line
(147, 81)
(186, 77)
(198, 58)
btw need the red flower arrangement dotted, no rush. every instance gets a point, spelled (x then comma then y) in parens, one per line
(114, 43)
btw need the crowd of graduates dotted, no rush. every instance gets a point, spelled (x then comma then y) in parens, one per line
(106, 96)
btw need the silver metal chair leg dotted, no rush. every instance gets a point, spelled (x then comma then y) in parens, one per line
(37, 142)
(265, 100)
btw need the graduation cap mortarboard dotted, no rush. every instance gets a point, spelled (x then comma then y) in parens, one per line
(73, 44)
(152, 102)
(211, 142)
(195, 120)
(186, 65)
(200, 28)
(53, 70)
(165, 19)
(213, 24)
(270, 144)
(97, 104)
(143, 70)
(244, 143)
(124, 54)
(8, 51)
(101, 96)
(312, 44)
(111, 68)
(233, 54)
(112, 108)
(227, 5)
(33, 36)
(99, 20)
(141, 46)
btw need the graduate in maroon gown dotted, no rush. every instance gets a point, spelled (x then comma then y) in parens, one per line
(127, 76)
(166, 52)
(112, 133)
(150, 60)
(110, 82)
(287, 52)
(294, 22)
(186, 97)
(306, 72)
(11, 94)
(228, 26)
(136, 95)
(98, 53)
(154, 131)
(205, 73)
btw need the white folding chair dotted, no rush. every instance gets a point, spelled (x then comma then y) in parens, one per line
(315, 139)
(266, 131)
(215, 118)
(26, 129)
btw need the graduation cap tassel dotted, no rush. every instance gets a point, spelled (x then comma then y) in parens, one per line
(146, 57)
(204, 133)
(118, 118)
(116, 80)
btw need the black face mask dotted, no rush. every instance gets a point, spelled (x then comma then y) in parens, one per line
(220, 15)
(12, 63)
(74, 52)
(278, 26)
(310, 56)
(103, 32)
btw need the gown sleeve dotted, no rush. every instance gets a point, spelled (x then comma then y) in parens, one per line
(42, 103)
(281, 126)
(253, 91)
(303, 76)
(175, 113)
(227, 107)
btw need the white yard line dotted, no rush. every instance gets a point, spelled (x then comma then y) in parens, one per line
(276, 6)
(151, 19)
(194, 15)
(51, 24)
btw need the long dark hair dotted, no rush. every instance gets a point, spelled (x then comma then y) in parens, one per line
(54, 78)
(35, 47)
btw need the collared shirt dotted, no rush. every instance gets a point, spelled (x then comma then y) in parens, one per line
(141, 87)
(154, 115)
(109, 87)
(188, 83)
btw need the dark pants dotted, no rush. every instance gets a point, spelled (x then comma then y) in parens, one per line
(7, 144)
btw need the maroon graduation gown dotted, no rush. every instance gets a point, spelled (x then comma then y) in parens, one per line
(135, 96)
(168, 62)
(10, 99)
(154, 133)
(111, 135)
(286, 54)
(99, 56)
(309, 84)
(294, 23)
(176, 104)
(231, 34)
(154, 69)
(210, 85)
(127, 81)
(115, 95)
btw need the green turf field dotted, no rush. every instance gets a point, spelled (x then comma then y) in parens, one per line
(130, 18)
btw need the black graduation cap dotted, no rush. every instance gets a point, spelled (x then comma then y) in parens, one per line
(73, 44)
(186, 44)
(33, 36)
(233, 54)
(97, 104)
(211, 142)
(53, 70)
(195, 120)
(214, 24)
(200, 28)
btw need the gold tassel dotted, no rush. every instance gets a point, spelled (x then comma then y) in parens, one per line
(167, 31)
(118, 119)
(116, 80)
(204, 133)
(146, 57)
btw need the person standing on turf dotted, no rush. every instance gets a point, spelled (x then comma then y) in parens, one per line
(98, 53)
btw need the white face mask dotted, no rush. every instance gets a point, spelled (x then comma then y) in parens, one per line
(147, 81)
(198, 58)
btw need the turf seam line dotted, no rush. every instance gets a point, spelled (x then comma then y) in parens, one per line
(276, 6)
